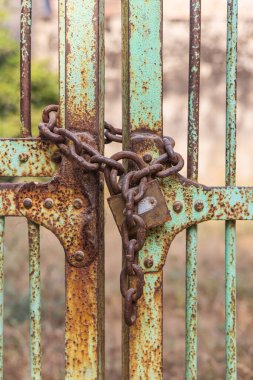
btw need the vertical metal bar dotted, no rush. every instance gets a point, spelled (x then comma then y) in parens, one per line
(142, 112)
(82, 100)
(33, 229)
(2, 223)
(62, 58)
(25, 67)
(230, 235)
(35, 311)
(192, 172)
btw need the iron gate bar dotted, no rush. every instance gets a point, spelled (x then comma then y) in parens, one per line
(33, 230)
(142, 112)
(198, 204)
(27, 157)
(35, 299)
(230, 233)
(8, 206)
(192, 173)
(25, 67)
(81, 101)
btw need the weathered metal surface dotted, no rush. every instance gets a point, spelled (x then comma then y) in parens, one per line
(34, 297)
(192, 173)
(27, 158)
(146, 338)
(220, 203)
(2, 222)
(230, 234)
(81, 323)
(145, 65)
(152, 207)
(81, 86)
(62, 60)
(73, 227)
(81, 100)
(25, 67)
(8, 194)
(142, 112)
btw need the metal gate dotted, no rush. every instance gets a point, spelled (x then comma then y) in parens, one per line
(71, 203)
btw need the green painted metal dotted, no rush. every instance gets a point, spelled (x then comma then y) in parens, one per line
(23, 158)
(81, 64)
(27, 158)
(25, 67)
(35, 304)
(191, 304)
(142, 112)
(8, 206)
(230, 235)
(142, 65)
(219, 203)
(82, 100)
(62, 60)
(192, 173)
(2, 223)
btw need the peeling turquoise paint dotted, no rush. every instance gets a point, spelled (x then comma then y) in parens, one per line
(35, 302)
(192, 173)
(220, 203)
(26, 21)
(81, 63)
(27, 158)
(230, 234)
(145, 65)
(142, 111)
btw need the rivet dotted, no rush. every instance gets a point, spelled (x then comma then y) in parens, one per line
(78, 203)
(148, 263)
(79, 256)
(49, 203)
(23, 157)
(56, 157)
(199, 206)
(27, 202)
(178, 207)
(147, 158)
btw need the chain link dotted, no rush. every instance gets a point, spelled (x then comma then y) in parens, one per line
(131, 185)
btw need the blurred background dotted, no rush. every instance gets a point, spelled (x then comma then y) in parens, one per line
(212, 169)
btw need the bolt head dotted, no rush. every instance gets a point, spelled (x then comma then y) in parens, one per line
(79, 256)
(199, 206)
(148, 262)
(178, 207)
(78, 203)
(27, 202)
(23, 157)
(49, 203)
(147, 158)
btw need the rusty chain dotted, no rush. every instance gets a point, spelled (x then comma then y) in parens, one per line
(131, 185)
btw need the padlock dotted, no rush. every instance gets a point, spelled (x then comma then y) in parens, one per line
(152, 208)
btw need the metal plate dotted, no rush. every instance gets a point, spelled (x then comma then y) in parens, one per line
(152, 208)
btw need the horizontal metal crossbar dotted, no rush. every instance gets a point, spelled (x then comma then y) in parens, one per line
(59, 207)
(190, 203)
(28, 157)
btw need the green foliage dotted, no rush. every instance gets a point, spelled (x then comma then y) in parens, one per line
(44, 85)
